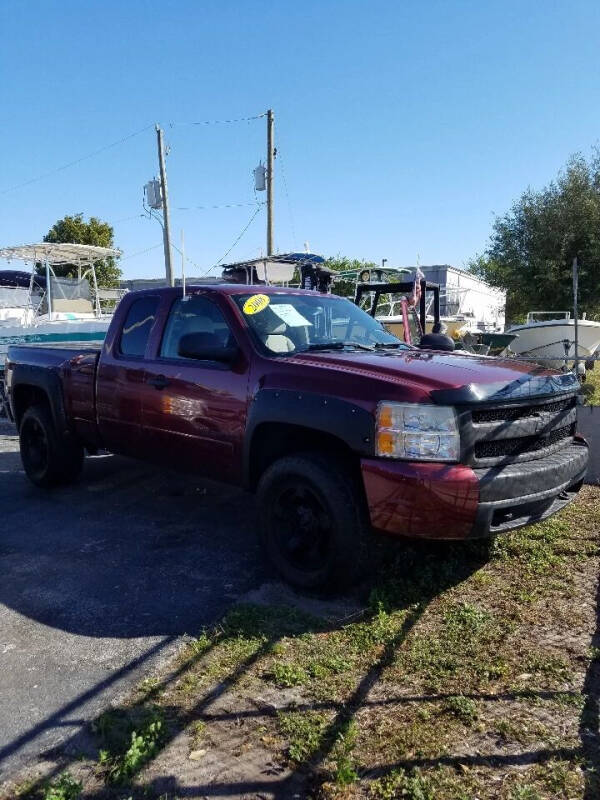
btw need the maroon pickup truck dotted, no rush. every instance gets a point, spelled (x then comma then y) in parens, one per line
(304, 398)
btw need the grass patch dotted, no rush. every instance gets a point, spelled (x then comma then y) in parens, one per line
(591, 387)
(400, 784)
(304, 731)
(463, 708)
(64, 787)
(286, 675)
(129, 741)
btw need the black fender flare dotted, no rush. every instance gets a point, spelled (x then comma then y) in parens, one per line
(50, 383)
(346, 421)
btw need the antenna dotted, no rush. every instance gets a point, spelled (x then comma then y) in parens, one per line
(182, 262)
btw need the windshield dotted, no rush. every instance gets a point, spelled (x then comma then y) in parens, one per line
(284, 324)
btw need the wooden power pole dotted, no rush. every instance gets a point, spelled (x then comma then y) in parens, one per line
(165, 206)
(270, 178)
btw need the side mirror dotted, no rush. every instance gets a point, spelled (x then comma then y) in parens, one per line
(436, 341)
(195, 345)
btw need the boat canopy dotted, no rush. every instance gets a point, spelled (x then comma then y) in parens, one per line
(278, 268)
(59, 253)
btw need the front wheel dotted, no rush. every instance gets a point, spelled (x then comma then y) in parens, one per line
(48, 459)
(312, 522)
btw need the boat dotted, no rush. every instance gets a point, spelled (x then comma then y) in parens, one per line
(550, 336)
(46, 309)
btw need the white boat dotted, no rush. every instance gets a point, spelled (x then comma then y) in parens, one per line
(49, 310)
(550, 336)
(390, 315)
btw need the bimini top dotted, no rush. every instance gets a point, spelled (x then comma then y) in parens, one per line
(82, 255)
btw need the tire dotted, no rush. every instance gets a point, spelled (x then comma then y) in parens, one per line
(312, 522)
(48, 459)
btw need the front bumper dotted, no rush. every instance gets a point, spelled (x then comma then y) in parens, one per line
(453, 501)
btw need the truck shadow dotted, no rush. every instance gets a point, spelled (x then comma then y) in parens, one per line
(129, 551)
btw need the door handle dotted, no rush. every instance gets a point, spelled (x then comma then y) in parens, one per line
(159, 382)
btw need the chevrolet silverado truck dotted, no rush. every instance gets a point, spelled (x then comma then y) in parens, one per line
(339, 427)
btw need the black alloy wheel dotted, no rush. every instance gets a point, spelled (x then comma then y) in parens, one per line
(313, 521)
(303, 526)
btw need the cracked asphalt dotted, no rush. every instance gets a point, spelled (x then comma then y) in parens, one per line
(99, 582)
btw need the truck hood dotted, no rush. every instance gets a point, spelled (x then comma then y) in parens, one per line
(448, 377)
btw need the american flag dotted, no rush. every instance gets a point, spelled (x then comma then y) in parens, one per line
(415, 297)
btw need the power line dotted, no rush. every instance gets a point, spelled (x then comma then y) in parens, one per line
(141, 252)
(219, 121)
(250, 221)
(174, 246)
(287, 197)
(77, 161)
(126, 219)
(225, 205)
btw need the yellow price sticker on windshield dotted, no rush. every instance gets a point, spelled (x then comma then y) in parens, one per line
(256, 303)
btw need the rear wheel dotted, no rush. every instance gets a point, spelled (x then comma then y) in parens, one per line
(312, 522)
(48, 459)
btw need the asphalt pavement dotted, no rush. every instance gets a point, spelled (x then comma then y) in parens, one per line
(98, 583)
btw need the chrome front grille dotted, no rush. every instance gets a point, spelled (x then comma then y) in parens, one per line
(512, 433)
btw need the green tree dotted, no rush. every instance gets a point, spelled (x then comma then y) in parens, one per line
(532, 246)
(339, 263)
(75, 230)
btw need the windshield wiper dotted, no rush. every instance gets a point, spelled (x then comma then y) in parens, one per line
(380, 345)
(336, 346)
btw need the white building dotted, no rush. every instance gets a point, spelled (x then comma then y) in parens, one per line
(464, 294)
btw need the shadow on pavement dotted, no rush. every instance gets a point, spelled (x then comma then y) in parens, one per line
(129, 551)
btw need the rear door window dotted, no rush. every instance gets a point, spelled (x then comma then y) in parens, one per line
(138, 324)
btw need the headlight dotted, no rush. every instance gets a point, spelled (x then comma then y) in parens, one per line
(417, 432)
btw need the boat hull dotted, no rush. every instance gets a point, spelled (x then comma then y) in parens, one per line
(545, 340)
(59, 333)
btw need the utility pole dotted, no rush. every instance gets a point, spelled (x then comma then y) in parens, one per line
(270, 178)
(165, 206)
(576, 311)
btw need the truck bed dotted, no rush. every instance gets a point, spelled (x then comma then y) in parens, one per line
(48, 355)
(70, 371)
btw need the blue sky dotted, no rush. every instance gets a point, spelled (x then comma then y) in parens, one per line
(402, 127)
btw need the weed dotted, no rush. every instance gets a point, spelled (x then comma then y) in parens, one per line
(506, 730)
(465, 618)
(462, 707)
(148, 686)
(560, 778)
(189, 683)
(128, 744)
(552, 666)
(287, 675)
(200, 644)
(381, 629)
(65, 787)
(328, 665)
(345, 772)
(522, 731)
(533, 548)
(569, 699)
(304, 730)
(400, 784)
(525, 792)
(198, 730)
